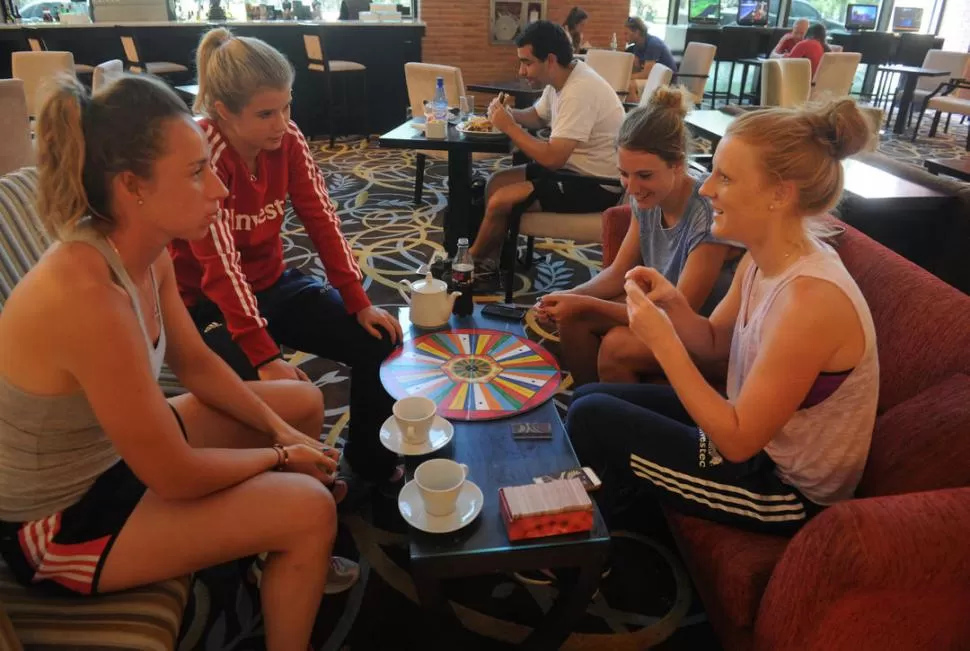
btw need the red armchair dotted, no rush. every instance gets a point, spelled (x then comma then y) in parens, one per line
(890, 569)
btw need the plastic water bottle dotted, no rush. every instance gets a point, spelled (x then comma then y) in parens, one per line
(463, 279)
(613, 42)
(439, 104)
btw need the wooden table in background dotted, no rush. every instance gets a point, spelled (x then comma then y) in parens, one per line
(911, 76)
(457, 222)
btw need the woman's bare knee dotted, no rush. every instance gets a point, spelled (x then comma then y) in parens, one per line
(306, 508)
(619, 356)
(310, 409)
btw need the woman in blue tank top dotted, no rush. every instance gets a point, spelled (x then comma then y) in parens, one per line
(670, 231)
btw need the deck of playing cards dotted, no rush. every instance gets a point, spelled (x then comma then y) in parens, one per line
(549, 509)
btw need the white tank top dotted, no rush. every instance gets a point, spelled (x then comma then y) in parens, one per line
(822, 450)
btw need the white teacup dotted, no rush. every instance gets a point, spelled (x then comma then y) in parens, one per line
(414, 416)
(439, 483)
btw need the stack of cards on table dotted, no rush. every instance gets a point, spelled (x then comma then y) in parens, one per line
(551, 509)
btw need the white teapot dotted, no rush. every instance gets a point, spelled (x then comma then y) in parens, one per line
(430, 301)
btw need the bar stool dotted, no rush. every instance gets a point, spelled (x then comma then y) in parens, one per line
(321, 64)
(735, 43)
(134, 63)
(37, 44)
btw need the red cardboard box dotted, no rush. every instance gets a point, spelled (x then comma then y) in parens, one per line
(550, 509)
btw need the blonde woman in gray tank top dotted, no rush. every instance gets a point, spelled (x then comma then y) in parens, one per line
(104, 485)
(793, 433)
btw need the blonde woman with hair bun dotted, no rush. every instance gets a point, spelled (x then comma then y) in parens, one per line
(104, 484)
(792, 434)
(240, 293)
(670, 231)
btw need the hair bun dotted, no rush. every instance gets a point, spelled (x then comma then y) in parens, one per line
(671, 98)
(841, 127)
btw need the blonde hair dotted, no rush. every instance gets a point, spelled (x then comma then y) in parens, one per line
(805, 147)
(231, 69)
(658, 127)
(83, 141)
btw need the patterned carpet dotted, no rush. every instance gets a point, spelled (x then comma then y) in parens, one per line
(647, 601)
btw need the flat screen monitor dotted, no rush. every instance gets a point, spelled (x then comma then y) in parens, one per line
(907, 19)
(753, 12)
(704, 11)
(861, 17)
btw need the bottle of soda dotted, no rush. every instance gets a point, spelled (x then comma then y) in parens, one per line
(463, 279)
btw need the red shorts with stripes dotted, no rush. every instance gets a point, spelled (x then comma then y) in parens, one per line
(64, 553)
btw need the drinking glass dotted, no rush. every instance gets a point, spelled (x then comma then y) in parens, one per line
(467, 106)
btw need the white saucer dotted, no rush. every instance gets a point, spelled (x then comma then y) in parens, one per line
(470, 501)
(392, 439)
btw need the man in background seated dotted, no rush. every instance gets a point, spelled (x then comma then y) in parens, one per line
(791, 39)
(585, 115)
(648, 50)
(812, 47)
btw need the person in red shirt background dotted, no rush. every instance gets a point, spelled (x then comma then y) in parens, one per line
(791, 39)
(234, 281)
(812, 48)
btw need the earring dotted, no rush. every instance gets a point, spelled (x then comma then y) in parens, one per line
(141, 202)
(771, 207)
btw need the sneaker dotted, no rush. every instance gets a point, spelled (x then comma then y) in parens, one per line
(487, 276)
(342, 575)
(440, 269)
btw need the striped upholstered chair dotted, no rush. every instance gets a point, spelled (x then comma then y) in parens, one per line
(146, 619)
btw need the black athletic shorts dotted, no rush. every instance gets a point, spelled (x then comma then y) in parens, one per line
(570, 196)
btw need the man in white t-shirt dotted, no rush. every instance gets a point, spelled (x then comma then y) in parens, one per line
(585, 115)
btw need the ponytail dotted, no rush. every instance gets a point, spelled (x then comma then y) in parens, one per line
(212, 41)
(60, 151)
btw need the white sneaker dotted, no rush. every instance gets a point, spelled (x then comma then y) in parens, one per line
(342, 575)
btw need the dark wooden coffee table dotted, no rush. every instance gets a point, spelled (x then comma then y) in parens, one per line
(458, 217)
(958, 168)
(483, 547)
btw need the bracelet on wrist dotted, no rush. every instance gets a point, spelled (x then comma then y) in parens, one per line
(282, 457)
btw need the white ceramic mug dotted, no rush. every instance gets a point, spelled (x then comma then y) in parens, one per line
(439, 483)
(414, 416)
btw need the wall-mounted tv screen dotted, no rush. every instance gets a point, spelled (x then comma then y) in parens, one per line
(704, 11)
(753, 12)
(907, 19)
(861, 16)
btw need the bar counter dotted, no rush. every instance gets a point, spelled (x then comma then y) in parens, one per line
(383, 47)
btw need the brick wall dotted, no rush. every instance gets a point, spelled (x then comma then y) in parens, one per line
(458, 33)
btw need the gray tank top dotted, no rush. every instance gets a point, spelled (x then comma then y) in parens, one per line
(822, 449)
(52, 448)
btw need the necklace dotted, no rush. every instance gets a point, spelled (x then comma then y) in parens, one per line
(156, 310)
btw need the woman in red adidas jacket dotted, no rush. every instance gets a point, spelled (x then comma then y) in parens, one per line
(238, 290)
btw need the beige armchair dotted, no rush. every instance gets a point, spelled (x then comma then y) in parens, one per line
(615, 67)
(835, 74)
(17, 149)
(695, 68)
(37, 70)
(786, 82)
(421, 80)
(105, 73)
